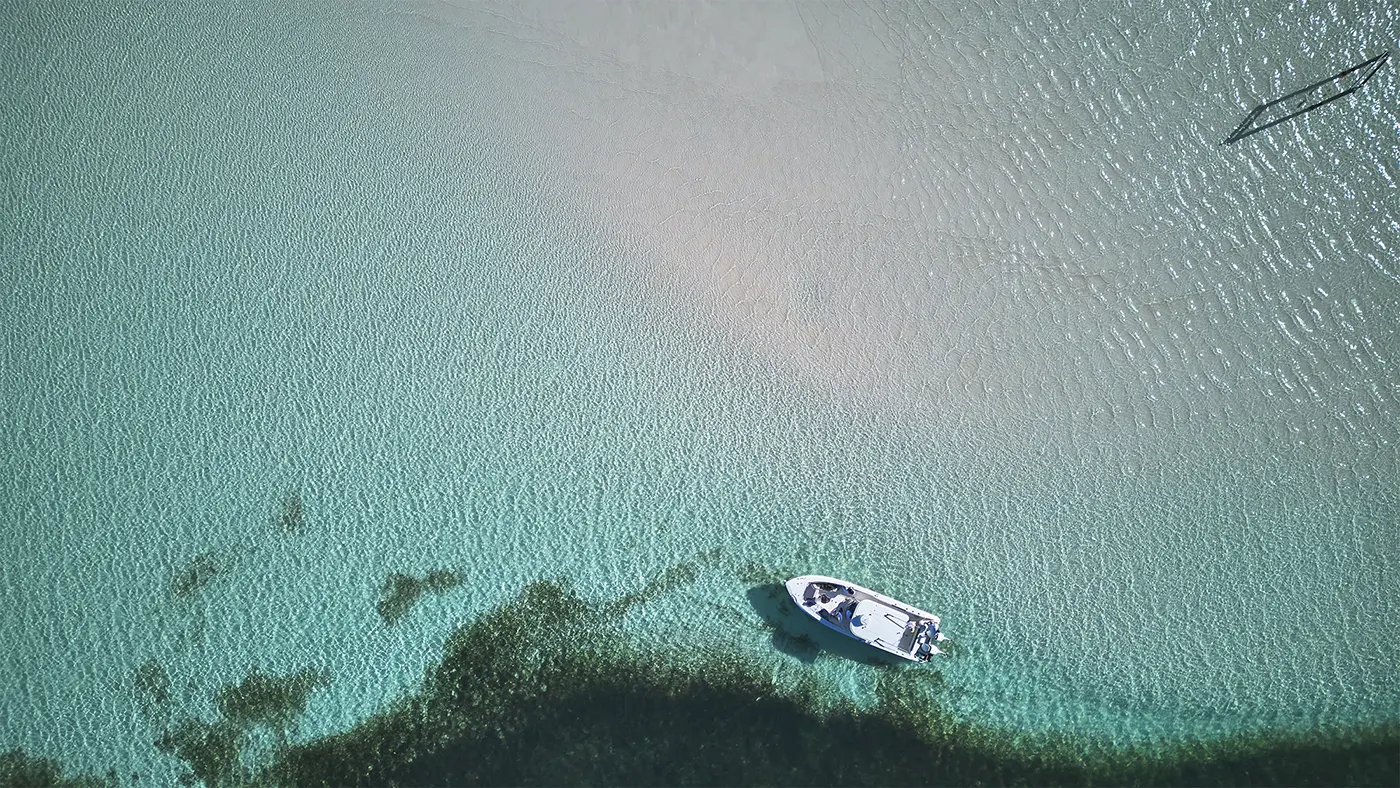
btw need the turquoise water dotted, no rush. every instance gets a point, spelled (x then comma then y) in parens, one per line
(970, 309)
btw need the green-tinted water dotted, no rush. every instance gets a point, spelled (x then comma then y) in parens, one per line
(301, 298)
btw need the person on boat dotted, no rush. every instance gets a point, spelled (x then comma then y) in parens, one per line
(923, 648)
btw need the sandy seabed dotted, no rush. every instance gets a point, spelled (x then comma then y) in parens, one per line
(971, 305)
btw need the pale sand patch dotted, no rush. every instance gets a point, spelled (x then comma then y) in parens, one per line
(1027, 221)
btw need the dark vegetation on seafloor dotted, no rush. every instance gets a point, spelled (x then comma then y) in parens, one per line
(292, 518)
(194, 576)
(517, 702)
(401, 592)
(189, 580)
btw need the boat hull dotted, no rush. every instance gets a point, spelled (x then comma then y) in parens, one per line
(879, 621)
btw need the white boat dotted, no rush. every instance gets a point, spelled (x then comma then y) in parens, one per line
(867, 616)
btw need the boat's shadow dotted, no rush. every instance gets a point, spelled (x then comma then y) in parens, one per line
(801, 637)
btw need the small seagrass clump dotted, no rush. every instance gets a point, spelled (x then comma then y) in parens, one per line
(673, 577)
(292, 518)
(19, 768)
(440, 581)
(400, 592)
(194, 576)
(152, 685)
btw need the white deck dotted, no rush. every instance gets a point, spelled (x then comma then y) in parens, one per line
(874, 621)
(873, 618)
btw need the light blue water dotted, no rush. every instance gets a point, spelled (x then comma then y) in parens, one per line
(489, 290)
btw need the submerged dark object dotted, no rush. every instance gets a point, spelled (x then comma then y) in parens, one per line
(1341, 84)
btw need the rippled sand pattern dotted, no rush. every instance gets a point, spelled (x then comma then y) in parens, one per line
(1025, 212)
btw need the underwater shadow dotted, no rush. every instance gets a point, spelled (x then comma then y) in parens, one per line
(801, 637)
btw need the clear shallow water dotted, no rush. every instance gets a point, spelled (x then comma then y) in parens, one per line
(972, 308)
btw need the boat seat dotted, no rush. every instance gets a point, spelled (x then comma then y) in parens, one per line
(911, 636)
